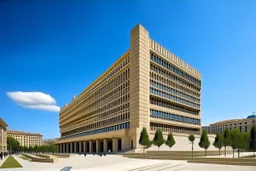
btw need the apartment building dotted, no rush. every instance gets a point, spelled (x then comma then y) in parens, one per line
(243, 125)
(26, 138)
(3, 135)
(148, 86)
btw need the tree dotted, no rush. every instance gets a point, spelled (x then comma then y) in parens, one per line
(25, 149)
(191, 138)
(253, 139)
(12, 144)
(246, 141)
(240, 143)
(234, 140)
(144, 140)
(204, 141)
(170, 140)
(218, 142)
(226, 139)
(30, 149)
(158, 139)
(36, 149)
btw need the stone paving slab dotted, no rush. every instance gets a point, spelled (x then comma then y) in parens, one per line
(119, 163)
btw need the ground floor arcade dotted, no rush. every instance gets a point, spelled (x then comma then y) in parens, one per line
(91, 146)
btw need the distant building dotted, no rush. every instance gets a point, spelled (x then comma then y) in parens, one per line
(49, 141)
(243, 125)
(3, 136)
(26, 138)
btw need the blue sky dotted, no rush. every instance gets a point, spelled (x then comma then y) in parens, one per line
(59, 48)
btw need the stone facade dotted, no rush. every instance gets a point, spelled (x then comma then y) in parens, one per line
(147, 86)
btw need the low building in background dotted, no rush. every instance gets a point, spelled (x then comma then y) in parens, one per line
(26, 138)
(3, 136)
(49, 141)
(243, 125)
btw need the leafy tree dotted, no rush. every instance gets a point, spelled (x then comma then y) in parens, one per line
(12, 144)
(25, 149)
(240, 143)
(246, 141)
(218, 142)
(253, 139)
(226, 139)
(144, 140)
(36, 149)
(204, 141)
(235, 140)
(30, 149)
(170, 140)
(158, 139)
(191, 138)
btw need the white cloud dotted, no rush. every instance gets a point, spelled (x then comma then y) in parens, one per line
(35, 100)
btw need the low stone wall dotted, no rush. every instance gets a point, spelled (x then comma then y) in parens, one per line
(62, 155)
(51, 159)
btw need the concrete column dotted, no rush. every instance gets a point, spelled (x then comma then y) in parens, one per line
(71, 147)
(58, 148)
(75, 151)
(126, 143)
(67, 150)
(114, 145)
(84, 144)
(97, 146)
(80, 147)
(63, 147)
(90, 146)
(105, 145)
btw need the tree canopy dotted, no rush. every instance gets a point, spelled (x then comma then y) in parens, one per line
(252, 144)
(226, 139)
(12, 144)
(158, 139)
(204, 141)
(144, 140)
(170, 140)
(218, 142)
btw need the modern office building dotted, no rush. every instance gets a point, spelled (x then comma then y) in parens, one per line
(26, 138)
(3, 136)
(147, 86)
(49, 141)
(243, 125)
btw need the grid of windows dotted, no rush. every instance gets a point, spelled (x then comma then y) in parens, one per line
(173, 98)
(176, 129)
(172, 77)
(173, 91)
(107, 129)
(173, 117)
(167, 104)
(174, 69)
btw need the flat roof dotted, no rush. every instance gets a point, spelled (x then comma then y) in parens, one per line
(2, 122)
(23, 133)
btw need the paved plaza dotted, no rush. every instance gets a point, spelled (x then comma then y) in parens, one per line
(119, 163)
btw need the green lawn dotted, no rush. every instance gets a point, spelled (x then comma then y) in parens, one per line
(10, 162)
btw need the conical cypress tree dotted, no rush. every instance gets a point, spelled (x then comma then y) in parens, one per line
(144, 140)
(158, 139)
(218, 142)
(204, 141)
(170, 140)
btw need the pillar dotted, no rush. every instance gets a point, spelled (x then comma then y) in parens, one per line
(67, 150)
(114, 145)
(105, 145)
(71, 147)
(90, 146)
(58, 148)
(85, 147)
(80, 147)
(75, 151)
(97, 146)
(63, 147)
